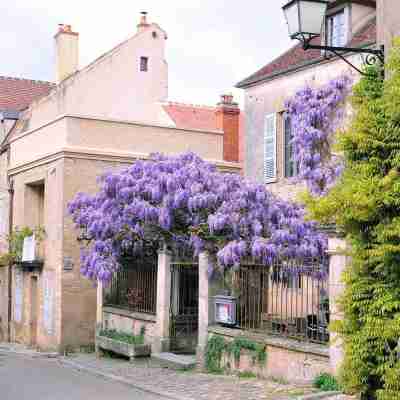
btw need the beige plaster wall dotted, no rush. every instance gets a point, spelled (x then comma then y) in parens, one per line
(388, 18)
(4, 203)
(112, 86)
(38, 143)
(138, 138)
(51, 175)
(126, 139)
(360, 15)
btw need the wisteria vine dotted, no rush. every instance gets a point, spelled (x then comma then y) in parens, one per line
(316, 114)
(186, 200)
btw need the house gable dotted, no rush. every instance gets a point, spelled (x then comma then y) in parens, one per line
(113, 86)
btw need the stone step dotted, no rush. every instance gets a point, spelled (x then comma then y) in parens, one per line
(175, 361)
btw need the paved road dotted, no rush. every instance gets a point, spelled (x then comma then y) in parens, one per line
(24, 378)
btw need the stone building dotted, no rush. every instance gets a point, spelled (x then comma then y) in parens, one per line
(268, 157)
(103, 116)
(267, 89)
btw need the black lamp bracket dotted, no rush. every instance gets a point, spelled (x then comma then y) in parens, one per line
(372, 56)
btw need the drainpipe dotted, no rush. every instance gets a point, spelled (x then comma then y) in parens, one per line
(10, 265)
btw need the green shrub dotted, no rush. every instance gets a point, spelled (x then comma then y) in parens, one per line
(122, 336)
(217, 346)
(326, 382)
(365, 206)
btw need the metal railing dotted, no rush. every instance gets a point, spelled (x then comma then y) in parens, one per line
(286, 299)
(134, 286)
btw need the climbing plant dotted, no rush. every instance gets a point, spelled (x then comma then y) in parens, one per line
(16, 241)
(186, 201)
(316, 113)
(217, 347)
(365, 206)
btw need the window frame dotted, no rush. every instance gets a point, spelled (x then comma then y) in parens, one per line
(295, 168)
(329, 27)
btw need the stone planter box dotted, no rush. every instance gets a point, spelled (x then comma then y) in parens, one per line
(125, 349)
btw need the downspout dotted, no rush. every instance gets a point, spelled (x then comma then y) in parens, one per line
(10, 265)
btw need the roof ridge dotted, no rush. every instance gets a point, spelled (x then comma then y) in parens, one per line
(14, 78)
(177, 103)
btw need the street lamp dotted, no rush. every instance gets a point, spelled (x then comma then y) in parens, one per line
(305, 19)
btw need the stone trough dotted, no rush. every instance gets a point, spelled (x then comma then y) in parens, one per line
(125, 349)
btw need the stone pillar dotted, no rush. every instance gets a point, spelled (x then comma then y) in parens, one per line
(207, 289)
(99, 309)
(99, 315)
(161, 338)
(337, 264)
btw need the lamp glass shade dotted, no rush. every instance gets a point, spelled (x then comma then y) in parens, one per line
(291, 11)
(305, 18)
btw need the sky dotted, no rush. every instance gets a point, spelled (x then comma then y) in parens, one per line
(212, 44)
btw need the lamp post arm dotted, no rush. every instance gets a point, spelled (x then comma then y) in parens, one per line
(337, 50)
(372, 54)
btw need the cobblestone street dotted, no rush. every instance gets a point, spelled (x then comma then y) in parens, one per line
(187, 385)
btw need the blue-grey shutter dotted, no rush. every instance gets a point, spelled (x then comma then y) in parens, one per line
(270, 148)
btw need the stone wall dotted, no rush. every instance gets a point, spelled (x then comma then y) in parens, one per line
(287, 359)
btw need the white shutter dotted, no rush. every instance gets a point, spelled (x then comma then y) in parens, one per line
(270, 148)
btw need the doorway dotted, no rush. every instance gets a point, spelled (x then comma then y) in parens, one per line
(34, 311)
(184, 307)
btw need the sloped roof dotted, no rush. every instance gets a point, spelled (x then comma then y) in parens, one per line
(296, 57)
(16, 94)
(189, 116)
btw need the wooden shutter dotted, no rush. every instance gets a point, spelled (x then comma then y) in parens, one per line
(270, 148)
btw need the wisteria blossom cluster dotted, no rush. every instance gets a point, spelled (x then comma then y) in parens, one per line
(186, 200)
(316, 114)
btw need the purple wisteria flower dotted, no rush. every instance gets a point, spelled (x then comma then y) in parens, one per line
(187, 201)
(316, 114)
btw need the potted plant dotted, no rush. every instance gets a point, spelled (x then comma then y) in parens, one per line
(122, 343)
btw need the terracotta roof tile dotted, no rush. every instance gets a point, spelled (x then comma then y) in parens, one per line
(17, 94)
(188, 116)
(296, 57)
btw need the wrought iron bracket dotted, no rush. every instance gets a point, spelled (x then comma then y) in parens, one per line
(372, 56)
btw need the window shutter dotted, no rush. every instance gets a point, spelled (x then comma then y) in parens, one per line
(270, 148)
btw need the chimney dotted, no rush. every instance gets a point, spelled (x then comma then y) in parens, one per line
(228, 114)
(143, 24)
(67, 52)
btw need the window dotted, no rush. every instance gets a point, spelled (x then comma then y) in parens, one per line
(270, 148)
(336, 29)
(144, 64)
(291, 167)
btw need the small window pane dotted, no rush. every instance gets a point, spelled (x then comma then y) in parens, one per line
(144, 64)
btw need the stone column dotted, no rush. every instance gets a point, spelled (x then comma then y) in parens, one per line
(161, 338)
(99, 309)
(337, 264)
(99, 315)
(207, 289)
